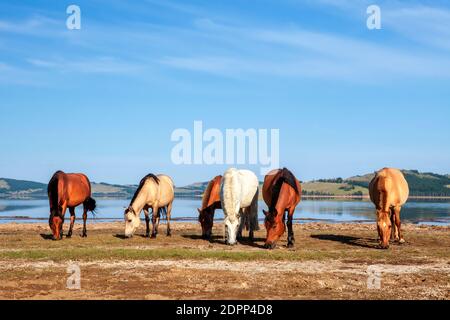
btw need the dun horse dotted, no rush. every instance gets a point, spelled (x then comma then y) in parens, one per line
(239, 198)
(282, 193)
(389, 191)
(155, 192)
(210, 202)
(68, 191)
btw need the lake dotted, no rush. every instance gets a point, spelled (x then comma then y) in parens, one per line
(434, 212)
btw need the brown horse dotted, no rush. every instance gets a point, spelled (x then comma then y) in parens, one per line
(211, 202)
(68, 191)
(389, 191)
(282, 193)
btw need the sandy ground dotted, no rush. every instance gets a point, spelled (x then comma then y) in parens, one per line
(329, 261)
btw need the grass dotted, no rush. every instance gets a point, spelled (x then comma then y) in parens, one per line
(92, 254)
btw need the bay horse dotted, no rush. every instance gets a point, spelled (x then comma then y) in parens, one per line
(389, 191)
(282, 193)
(210, 202)
(239, 197)
(155, 192)
(68, 190)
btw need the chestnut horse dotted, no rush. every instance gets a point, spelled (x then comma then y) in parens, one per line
(68, 191)
(210, 202)
(155, 192)
(282, 193)
(389, 191)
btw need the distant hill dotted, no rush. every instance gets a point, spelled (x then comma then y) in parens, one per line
(27, 190)
(421, 184)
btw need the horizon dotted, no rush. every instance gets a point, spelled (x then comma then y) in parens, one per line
(195, 182)
(105, 99)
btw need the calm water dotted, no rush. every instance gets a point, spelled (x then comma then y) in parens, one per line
(426, 212)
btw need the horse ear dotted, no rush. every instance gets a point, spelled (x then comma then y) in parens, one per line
(199, 211)
(266, 213)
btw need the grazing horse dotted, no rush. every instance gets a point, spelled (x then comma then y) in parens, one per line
(210, 202)
(239, 198)
(389, 191)
(155, 192)
(282, 193)
(68, 191)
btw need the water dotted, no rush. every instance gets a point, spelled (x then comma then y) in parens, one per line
(434, 212)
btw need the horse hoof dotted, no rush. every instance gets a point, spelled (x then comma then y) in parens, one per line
(290, 245)
(68, 236)
(153, 236)
(84, 235)
(402, 241)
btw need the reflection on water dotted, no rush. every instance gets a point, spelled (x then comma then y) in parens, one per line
(423, 211)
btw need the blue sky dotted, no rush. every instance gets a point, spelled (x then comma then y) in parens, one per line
(105, 99)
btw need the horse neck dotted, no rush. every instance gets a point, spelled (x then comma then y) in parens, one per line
(283, 199)
(139, 203)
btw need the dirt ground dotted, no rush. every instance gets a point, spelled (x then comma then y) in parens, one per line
(329, 261)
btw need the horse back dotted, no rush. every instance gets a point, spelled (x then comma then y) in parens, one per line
(211, 197)
(292, 194)
(166, 190)
(388, 188)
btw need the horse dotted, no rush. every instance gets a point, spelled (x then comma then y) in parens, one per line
(239, 198)
(282, 193)
(68, 190)
(155, 192)
(210, 202)
(389, 191)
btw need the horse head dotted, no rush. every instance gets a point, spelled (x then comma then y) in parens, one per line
(206, 220)
(132, 221)
(384, 226)
(231, 229)
(274, 226)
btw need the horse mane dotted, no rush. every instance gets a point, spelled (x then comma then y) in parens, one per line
(207, 193)
(52, 191)
(230, 183)
(284, 176)
(141, 184)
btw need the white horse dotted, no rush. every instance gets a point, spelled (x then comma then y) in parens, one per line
(239, 197)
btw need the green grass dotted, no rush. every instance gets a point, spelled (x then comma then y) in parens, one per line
(92, 254)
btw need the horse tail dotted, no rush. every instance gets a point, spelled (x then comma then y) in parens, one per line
(163, 211)
(52, 191)
(254, 222)
(90, 204)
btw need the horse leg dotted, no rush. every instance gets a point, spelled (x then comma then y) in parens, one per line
(84, 235)
(155, 221)
(243, 220)
(147, 222)
(168, 214)
(253, 223)
(72, 221)
(393, 226)
(398, 224)
(63, 213)
(291, 239)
